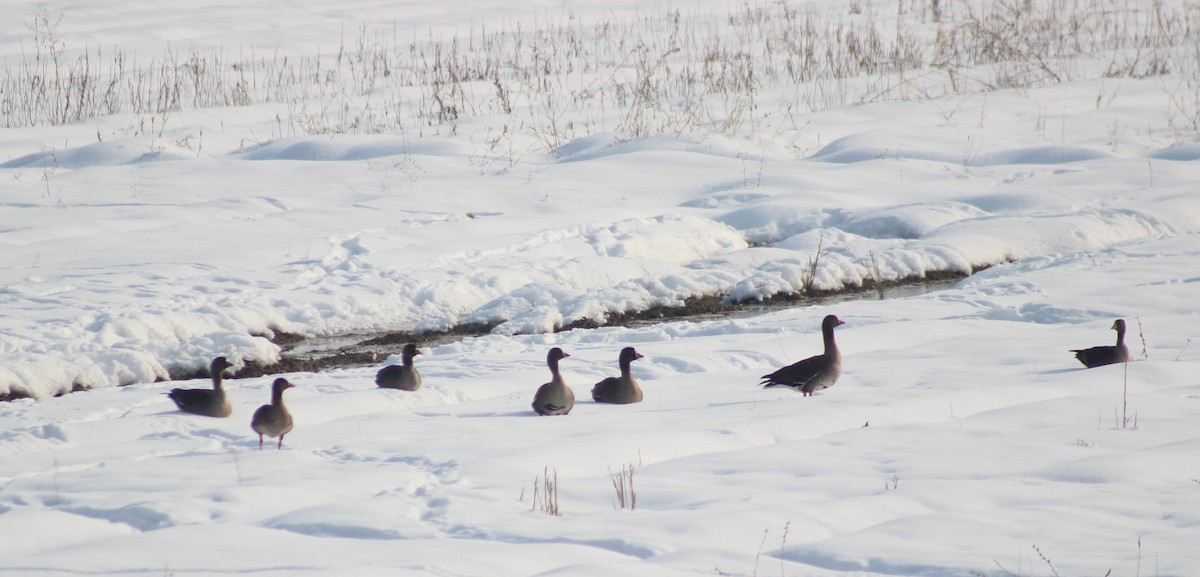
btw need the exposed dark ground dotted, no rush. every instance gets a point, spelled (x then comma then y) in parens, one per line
(301, 354)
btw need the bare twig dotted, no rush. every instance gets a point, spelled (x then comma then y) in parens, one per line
(1048, 563)
(810, 273)
(763, 543)
(1142, 335)
(876, 276)
(1185, 346)
(783, 548)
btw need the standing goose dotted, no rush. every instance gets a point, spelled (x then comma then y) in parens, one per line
(1100, 356)
(403, 376)
(207, 402)
(554, 397)
(273, 420)
(623, 389)
(814, 373)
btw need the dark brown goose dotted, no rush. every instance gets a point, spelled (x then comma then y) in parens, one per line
(207, 402)
(403, 376)
(623, 389)
(1107, 355)
(273, 420)
(814, 373)
(554, 397)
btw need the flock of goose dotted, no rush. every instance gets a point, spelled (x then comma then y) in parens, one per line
(555, 397)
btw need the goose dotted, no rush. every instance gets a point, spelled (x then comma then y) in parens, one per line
(814, 373)
(1106, 355)
(403, 376)
(623, 389)
(273, 420)
(554, 397)
(206, 402)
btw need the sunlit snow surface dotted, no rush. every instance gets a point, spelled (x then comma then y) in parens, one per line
(962, 437)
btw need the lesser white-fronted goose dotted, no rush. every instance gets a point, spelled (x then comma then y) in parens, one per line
(403, 376)
(554, 397)
(206, 402)
(814, 373)
(273, 420)
(623, 389)
(1107, 355)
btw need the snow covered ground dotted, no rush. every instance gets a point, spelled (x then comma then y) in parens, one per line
(962, 439)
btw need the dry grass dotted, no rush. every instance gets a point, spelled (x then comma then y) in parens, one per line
(545, 495)
(809, 276)
(1049, 565)
(763, 63)
(623, 485)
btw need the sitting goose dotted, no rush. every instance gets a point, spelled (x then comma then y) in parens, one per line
(554, 397)
(814, 373)
(1107, 355)
(403, 376)
(623, 389)
(207, 402)
(273, 420)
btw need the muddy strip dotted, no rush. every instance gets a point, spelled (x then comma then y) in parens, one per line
(314, 354)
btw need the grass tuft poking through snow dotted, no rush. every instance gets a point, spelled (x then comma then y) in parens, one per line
(622, 482)
(545, 496)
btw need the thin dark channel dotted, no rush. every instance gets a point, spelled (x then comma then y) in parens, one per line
(315, 354)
